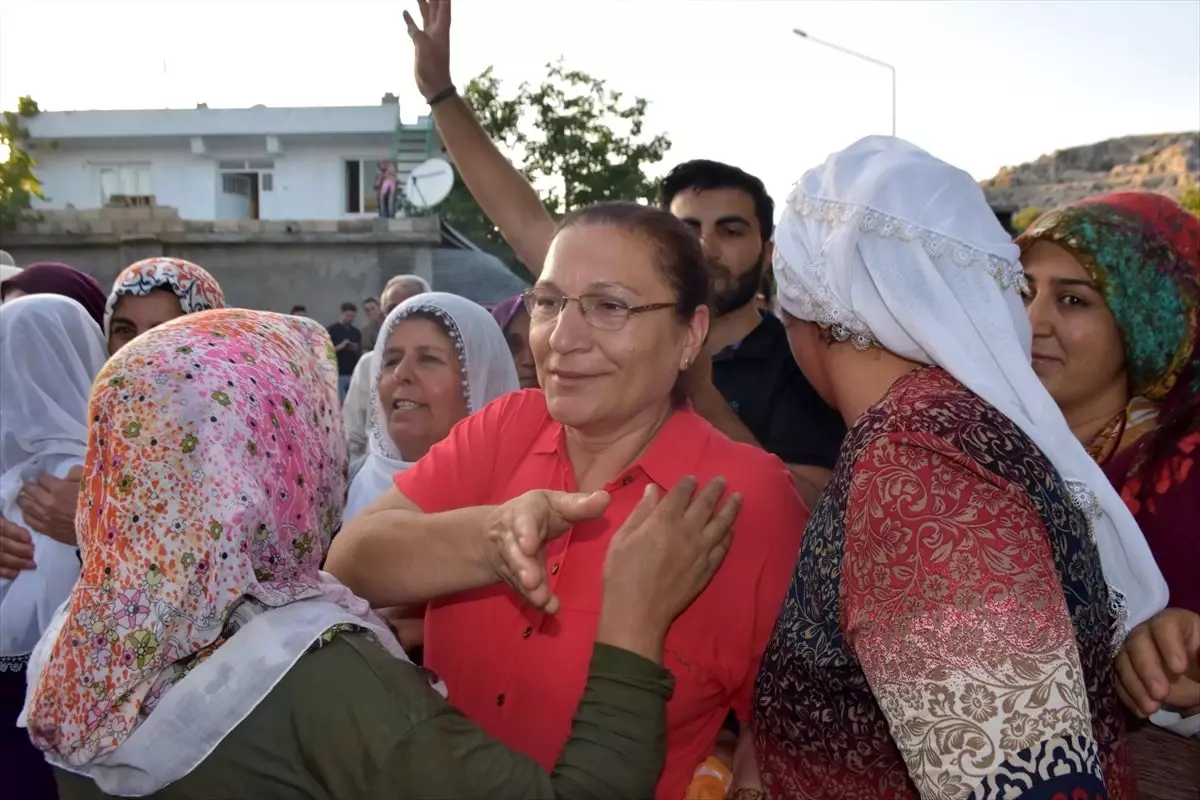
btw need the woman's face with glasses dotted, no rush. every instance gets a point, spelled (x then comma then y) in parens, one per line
(603, 329)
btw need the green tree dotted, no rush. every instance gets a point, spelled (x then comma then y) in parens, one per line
(575, 139)
(1190, 199)
(18, 184)
(1026, 217)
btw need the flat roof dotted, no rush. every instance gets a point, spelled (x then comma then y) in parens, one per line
(257, 121)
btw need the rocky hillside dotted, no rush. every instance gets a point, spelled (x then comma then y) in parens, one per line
(1166, 163)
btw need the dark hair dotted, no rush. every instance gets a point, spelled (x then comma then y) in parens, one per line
(680, 260)
(349, 307)
(702, 175)
(370, 300)
(299, 310)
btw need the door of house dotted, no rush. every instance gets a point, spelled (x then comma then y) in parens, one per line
(235, 200)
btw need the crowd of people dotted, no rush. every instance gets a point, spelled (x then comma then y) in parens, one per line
(923, 527)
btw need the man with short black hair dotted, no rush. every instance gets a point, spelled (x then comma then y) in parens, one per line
(347, 343)
(299, 311)
(749, 386)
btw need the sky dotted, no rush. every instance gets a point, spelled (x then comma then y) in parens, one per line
(979, 83)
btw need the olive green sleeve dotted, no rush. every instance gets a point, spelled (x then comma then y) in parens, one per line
(616, 749)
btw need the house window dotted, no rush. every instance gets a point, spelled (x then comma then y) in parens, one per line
(266, 181)
(130, 180)
(235, 184)
(360, 186)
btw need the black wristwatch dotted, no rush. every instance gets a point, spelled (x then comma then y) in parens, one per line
(443, 95)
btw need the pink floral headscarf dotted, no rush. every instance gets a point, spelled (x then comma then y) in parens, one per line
(215, 477)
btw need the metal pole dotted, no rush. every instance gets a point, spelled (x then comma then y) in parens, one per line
(856, 54)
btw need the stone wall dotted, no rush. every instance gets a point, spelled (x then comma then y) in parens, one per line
(271, 265)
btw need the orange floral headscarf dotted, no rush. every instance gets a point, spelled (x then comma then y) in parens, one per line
(215, 476)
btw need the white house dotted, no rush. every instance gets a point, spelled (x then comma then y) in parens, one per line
(222, 164)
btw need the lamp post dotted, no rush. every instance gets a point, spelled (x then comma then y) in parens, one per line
(849, 52)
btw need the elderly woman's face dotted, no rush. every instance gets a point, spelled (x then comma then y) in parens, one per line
(134, 315)
(1077, 350)
(420, 386)
(606, 379)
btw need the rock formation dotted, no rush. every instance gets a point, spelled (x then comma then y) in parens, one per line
(1166, 163)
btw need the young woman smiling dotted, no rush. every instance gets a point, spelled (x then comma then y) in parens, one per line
(1115, 310)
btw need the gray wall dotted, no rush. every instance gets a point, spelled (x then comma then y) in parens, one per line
(272, 277)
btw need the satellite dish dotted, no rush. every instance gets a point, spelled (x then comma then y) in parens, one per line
(429, 183)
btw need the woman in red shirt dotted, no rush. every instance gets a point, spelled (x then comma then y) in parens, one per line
(618, 315)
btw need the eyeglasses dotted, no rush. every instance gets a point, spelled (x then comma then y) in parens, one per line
(599, 311)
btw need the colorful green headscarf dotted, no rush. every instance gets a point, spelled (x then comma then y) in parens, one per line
(1143, 251)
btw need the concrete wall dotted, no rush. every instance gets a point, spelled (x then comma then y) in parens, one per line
(259, 264)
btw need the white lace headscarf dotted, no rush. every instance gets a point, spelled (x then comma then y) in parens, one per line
(50, 352)
(487, 373)
(886, 244)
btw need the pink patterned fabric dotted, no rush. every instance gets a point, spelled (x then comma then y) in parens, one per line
(215, 476)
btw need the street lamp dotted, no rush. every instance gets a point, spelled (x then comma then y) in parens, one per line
(849, 52)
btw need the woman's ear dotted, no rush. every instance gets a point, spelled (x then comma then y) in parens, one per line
(697, 335)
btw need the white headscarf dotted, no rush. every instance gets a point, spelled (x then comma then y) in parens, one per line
(487, 373)
(884, 243)
(50, 352)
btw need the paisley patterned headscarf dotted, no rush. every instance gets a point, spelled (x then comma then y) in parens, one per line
(1143, 252)
(214, 479)
(195, 288)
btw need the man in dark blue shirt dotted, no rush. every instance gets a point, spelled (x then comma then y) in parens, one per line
(347, 342)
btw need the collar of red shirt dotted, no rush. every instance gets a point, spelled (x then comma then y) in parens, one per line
(674, 452)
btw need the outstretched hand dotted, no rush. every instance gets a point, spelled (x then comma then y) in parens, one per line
(1160, 663)
(431, 46)
(516, 534)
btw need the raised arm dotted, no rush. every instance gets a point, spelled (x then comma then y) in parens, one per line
(503, 193)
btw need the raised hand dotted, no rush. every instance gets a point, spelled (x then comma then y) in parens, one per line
(431, 46)
(515, 535)
(661, 558)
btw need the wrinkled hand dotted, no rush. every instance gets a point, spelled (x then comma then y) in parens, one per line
(1160, 663)
(431, 46)
(49, 505)
(667, 551)
(515, 535)
(16, 550)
